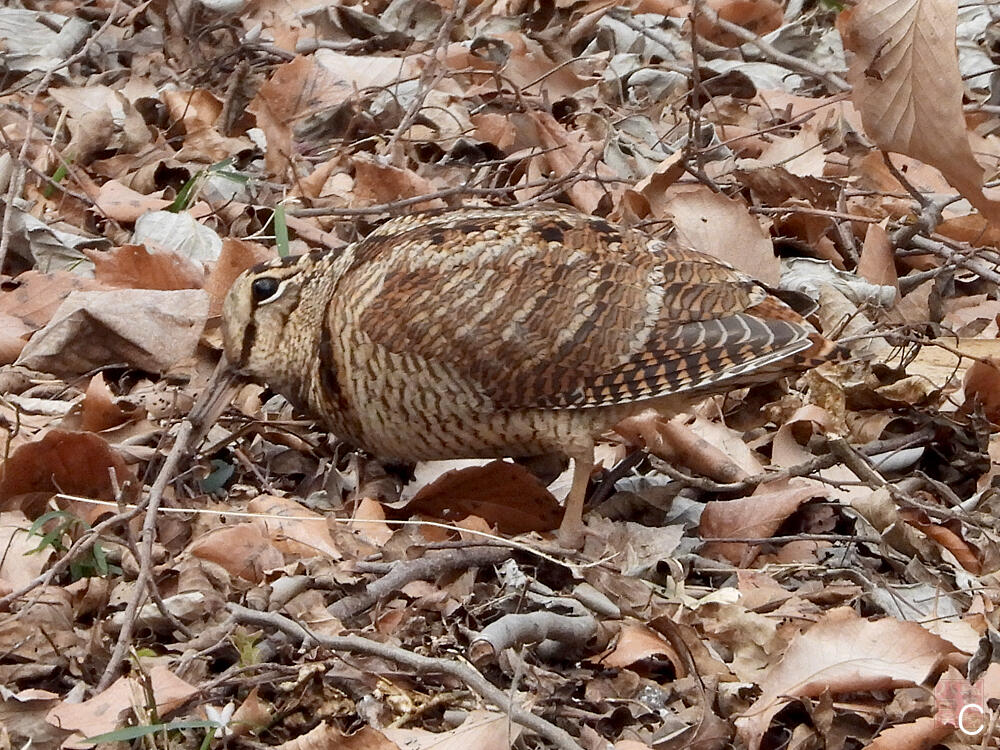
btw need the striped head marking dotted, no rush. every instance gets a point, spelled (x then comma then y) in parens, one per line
(256, 311)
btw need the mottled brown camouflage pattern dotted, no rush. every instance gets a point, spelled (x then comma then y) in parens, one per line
(505, 332)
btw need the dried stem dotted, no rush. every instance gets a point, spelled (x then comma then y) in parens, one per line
(464, 673)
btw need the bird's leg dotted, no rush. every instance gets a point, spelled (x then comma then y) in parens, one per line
(571, 529)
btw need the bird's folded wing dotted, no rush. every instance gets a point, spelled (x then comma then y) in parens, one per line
(567, 311)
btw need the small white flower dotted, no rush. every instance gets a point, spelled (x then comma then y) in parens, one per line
(221, 718)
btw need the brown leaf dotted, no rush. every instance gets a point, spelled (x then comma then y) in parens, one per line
(755, 517)
(368, 520)
(121, 203)
(33, 297)
(149, 330)
(506, 495)
(14, 334)
(637, 643)
(99, 410)
(924, 732)
(708, 222)
(236, 257)
(22, 715)
(908, 87)
(294, 89)
(299, 536)
(253, 714)
(20, 562)
(569, 154)
(843, 653)
(105, 711)
(323, 737)
(135, 267)
(76, 463)
(243, 549)
(758, 16)
(376, 183)
(878, 260)
(950, 539)
(982, 388)
(483, 730)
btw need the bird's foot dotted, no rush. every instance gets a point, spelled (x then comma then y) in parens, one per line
(571, 536)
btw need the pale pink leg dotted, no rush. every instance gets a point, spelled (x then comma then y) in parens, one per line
(571, 530)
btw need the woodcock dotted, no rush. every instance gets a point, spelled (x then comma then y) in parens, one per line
(489, 332)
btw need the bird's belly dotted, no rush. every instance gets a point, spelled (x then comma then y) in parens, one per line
(409, 410)
(408, 435)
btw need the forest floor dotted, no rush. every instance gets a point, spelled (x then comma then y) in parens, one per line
(810, 564)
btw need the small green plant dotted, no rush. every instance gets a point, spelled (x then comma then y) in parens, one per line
(92, 563)
(281, 230)
(246, 646)
(58, 176)
(144, 730)
(188, 193)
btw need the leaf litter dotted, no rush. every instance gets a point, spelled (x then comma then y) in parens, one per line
(805, 564)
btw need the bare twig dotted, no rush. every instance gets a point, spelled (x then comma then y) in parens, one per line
(942, 250)
(922, 200)
(79, 547)
(190, 428)
(833, 81)
(464, 673)
(429, 77)
(514, 630)
(425, 568)
(854, 461)
(825, 461)
(807, 211)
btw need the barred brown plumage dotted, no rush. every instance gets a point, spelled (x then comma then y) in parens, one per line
(504, 332)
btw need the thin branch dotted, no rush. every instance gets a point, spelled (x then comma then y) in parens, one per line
(79, 547)
(424, 569)
(190, 432)
(429, 77)
(833, 81)
(825, 461)
(460, 671)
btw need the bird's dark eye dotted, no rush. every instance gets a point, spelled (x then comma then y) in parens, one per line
(263, 288)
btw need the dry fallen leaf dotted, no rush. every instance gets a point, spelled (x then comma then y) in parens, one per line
(982, 388)
(243, 549)
(136, 267)
(106, 711)
(637, 643)
(21, 561)
(843, 653)
(148, 329)
(483, 730)
(300, 536)
(754, 517)
(76, 463)
(907, 85)
(504, 494)
(708, 221)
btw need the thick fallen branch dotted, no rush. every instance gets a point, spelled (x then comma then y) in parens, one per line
(423, 569)
(514, 630)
